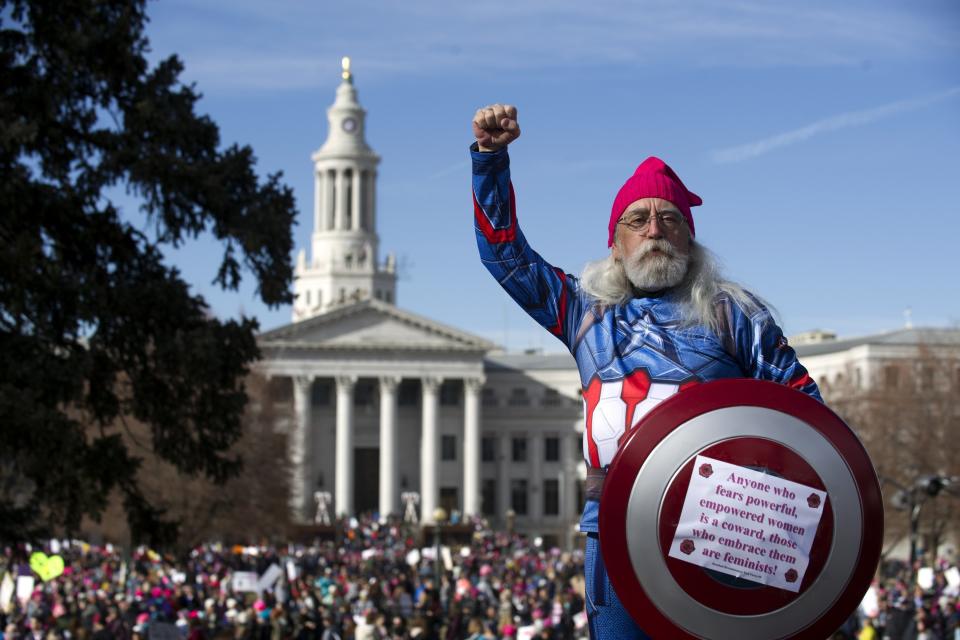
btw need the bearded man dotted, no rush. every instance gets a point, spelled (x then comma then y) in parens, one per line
(651, 319)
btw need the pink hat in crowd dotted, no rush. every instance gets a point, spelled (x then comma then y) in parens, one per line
(653, 179)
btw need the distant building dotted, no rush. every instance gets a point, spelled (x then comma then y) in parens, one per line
(387, 401)
(875, 361)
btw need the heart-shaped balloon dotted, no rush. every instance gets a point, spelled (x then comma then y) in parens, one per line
(46, 567)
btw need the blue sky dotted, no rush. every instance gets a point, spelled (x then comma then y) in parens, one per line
(824, 138)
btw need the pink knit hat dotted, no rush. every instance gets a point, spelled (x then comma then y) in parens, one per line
(653, 179)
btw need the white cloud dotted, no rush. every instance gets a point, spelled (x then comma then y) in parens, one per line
(834, 123)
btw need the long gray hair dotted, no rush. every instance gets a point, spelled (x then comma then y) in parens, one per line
(607, 281)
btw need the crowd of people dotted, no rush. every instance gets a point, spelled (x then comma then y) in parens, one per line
(898, 608)
(375, 582)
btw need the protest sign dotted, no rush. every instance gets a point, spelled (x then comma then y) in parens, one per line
(526, 633)
(953, 577)
(748, 524)
(925, 577)
(47, 567)
(245, 581)
(870, 605)
(6, 593)
(269, 576)
(24, 587)
(291, 570)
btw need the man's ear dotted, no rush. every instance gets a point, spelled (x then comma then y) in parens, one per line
(615, 250)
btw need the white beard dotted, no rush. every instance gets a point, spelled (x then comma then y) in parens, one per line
(655, 271)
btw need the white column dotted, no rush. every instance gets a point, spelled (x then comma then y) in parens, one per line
(343, 500)
(317, 200)
(471, 446)
(389, 497)
(357, 198)
(298, 444)
(535, 497)
(429, 492)
(503, 477)
(341, 214)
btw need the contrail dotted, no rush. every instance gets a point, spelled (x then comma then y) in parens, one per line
(833, 123)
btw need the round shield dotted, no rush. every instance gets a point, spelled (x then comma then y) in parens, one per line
(741, 509)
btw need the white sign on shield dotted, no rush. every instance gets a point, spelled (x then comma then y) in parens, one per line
(748, 524)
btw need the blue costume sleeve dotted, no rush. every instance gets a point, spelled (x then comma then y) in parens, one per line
(545, 292)
(762, 349)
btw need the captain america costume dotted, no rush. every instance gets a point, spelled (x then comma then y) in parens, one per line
(630, 356)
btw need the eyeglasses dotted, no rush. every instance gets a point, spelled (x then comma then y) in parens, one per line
(668, 220)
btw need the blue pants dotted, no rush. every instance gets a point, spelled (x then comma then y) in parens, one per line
(607, 618)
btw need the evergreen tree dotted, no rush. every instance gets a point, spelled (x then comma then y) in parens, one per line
(95, 327)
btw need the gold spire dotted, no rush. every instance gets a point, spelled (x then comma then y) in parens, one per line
(346, 75)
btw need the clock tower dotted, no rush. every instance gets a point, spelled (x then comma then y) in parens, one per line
(344, 262)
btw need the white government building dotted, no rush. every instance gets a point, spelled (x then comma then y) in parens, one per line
(387, 401)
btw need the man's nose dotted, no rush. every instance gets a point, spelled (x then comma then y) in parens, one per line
(654, 230)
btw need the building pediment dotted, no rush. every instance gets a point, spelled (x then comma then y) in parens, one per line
(372, 325)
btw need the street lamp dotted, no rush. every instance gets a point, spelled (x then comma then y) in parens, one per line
(911, 500)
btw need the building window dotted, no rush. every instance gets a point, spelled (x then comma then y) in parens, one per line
(450, 394)
(448, 500)
(519, 397)
(551, 449)
(519, 449)
(489, 397)
(348, 189)
(551, 397)
(320, 392)
(488, 449)
(551, 497)
(448, 448)
(334, 195)
(576, 451)
(518, 496)
(891, 377)
(926, 377)
(363, 393)
(408, 393)
(488, 497)
(581, 492)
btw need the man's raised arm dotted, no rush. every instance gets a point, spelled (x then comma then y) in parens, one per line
(543, 291)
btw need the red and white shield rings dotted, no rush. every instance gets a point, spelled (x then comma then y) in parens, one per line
(772, 577)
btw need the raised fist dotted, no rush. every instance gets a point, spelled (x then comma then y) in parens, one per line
(495, 126)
